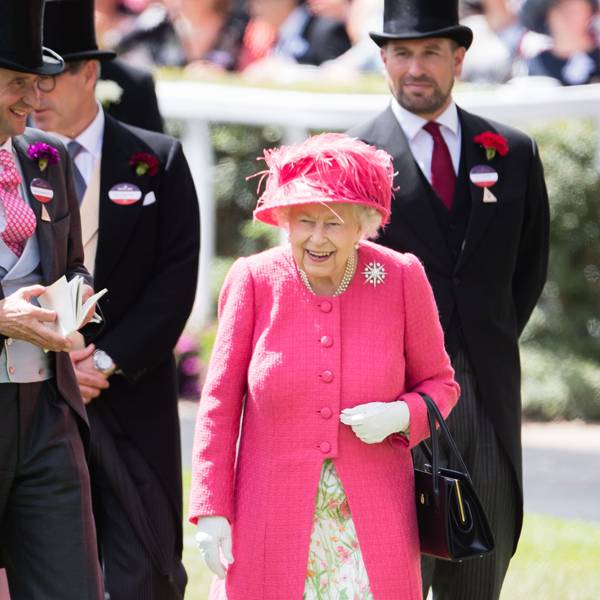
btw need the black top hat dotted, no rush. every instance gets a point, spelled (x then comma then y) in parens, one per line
(21, 39)
(535, 12)
(417, 19)
(69, 27)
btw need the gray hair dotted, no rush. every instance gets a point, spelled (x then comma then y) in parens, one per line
(368, 218)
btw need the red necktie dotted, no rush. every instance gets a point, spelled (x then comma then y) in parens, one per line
(20, 220)
(443, 177)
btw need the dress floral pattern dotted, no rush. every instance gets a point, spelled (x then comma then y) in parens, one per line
(335, 566)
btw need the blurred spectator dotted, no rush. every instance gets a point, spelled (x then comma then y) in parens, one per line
(574, 56)
(332, 9)
(179, 33)
(113, 20)
(297, 34)
(497, 35)
(364, 56)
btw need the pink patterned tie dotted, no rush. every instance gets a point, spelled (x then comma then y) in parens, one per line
(20, 220)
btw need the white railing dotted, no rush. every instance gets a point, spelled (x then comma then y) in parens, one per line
(199, 104)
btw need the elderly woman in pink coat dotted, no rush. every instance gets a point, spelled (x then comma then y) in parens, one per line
(323, 347)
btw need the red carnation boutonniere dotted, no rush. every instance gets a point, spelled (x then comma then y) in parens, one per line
(492, 143)
(44, 154)
(144, 163)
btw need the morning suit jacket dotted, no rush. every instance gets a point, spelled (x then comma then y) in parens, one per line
(59, 240)
(327, 39)
(147, 258)
(138, 105)
(487, 290)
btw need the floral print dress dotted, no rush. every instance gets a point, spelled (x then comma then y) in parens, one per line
(335, 566)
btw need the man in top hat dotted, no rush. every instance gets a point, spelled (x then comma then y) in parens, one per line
(140, 228)
(471, 203)
(47, 533)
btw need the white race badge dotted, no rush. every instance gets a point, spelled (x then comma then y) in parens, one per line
(125, 194)
(483, 176)
(41, 190)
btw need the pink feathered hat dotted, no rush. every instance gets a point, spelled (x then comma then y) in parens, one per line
(328, 168)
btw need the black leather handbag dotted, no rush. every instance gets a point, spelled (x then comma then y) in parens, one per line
(452, 522)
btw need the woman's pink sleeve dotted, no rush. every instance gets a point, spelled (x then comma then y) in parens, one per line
(219, 412)
(428, 368)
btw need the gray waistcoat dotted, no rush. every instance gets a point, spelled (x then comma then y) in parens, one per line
(22, 362)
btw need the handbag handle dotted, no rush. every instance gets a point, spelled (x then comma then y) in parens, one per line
(433, 455)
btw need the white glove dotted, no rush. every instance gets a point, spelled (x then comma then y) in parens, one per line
(374, 421)
(214, 534)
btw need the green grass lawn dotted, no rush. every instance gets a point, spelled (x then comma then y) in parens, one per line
(556, 560)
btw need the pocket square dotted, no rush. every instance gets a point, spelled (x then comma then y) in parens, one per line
(149, 199)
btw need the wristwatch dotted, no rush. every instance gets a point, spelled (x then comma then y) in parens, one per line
(103, 362)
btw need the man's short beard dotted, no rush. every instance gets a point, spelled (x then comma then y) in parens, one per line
(425, 105)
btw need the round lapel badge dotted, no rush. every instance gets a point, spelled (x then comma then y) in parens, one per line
(125, 194)
(483, 176)
(41, 190)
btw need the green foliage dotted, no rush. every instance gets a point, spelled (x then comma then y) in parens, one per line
(236, 150)
(561, 345)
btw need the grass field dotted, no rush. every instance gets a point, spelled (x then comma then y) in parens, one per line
(556, 560)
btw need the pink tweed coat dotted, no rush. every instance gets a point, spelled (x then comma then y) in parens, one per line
(289, 362)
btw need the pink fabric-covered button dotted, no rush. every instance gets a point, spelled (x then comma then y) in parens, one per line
(327, 376)
(326, 412)
(327, 341)
(325, 447)
(325, 306)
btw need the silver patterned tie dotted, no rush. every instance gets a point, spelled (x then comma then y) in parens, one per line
(74, 149)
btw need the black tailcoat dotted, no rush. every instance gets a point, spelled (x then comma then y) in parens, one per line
(138, 105)
(487, 290)
(59, 240)
(147, 257)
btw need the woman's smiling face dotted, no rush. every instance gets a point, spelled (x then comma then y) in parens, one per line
(322, 239)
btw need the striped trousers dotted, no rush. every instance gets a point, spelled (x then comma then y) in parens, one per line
(492, 474)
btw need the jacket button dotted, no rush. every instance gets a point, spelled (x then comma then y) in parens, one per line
(325, 306)
(456, 281)
(327, 376)
(326, 412)
(325, 447)
(11, 370)
(41, 371)
(326, 341)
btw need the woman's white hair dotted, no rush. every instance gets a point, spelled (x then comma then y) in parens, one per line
(369, 219)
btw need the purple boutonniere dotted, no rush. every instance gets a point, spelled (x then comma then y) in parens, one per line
(44, 154)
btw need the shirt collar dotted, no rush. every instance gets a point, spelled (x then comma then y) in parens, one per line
(412, 124)
(8, 146)
(91, 137)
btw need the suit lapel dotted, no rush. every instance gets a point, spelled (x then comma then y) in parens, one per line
(44, 230)
(482, 213)
(116, 222)
(411, 204)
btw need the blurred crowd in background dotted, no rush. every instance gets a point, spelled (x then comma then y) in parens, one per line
(298, 39)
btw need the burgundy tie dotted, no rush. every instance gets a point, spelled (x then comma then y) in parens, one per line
(443, 177)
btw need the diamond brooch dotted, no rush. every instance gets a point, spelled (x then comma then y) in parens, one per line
(374, 273)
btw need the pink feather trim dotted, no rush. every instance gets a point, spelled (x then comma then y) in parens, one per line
(330, 167)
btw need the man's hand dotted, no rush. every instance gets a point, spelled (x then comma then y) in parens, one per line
(21, 320)
(88, 292)
(91, 381)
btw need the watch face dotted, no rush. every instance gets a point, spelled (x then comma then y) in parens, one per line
(102, 361)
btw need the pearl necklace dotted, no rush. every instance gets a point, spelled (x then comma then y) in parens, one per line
(344, 283)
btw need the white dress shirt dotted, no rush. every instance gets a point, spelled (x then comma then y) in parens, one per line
(421, 143)
(90, 140)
